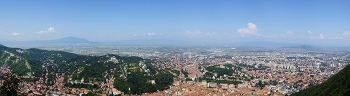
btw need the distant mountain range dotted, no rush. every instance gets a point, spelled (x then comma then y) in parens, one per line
(69, 39)
(74, 41)
(39, 43)
(66, 40)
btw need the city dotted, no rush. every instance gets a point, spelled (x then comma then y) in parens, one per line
(175, 48)
(221, 71)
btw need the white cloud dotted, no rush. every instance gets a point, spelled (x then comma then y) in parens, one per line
(338, 38)
(346, 33)
(151, 34)
(252, 29)
(196, 33)
(312, 37)
(210, 34)
(272, 36)
(16, 34)
(49, 30)
(290, 33)
(309, 32)
(321, 36)
(41, 32)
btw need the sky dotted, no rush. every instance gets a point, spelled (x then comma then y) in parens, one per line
(215, 20)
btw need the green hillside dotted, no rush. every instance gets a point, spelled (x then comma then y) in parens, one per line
(129, 72)
(337, 85)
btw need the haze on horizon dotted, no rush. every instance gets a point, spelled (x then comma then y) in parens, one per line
(312, 21)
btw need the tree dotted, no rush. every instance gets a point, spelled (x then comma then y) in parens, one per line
(11, 85)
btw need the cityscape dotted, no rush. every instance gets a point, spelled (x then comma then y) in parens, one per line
(174, 48)
(213, 71)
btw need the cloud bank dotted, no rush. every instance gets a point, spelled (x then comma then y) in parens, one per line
(16, 34)
(196, 33)
(309, 32)
(321, 36)
(251, 30)
(346, 33)
(49, 30)
(289, 33)
(151, 34)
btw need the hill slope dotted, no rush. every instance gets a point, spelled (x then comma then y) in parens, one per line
(337, 85)
(129, 72)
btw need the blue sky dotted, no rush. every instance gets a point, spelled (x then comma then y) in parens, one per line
(217, 20)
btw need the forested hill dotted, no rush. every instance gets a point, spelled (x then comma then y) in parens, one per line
(91, 69)
(32, 60)
(337, 85)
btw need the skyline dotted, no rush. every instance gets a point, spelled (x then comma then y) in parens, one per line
(315, 21)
